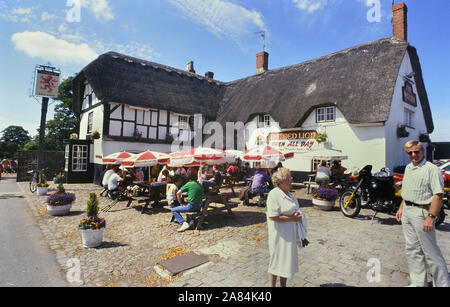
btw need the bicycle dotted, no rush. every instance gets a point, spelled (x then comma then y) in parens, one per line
(34, 180)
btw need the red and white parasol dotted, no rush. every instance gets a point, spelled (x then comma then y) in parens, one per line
(148, 158)
(117, 157)
(200, 155)
(266, 152)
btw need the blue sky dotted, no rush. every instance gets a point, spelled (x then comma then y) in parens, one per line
(218, 35)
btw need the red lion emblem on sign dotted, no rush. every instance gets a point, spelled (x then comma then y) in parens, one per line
(48, 83)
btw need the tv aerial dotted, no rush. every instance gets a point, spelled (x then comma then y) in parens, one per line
(262, 34)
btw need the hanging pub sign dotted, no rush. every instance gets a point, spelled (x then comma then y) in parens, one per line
(408, 94)
(293, 141)
(47, 84)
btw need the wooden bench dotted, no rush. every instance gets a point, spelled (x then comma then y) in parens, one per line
(204, 209)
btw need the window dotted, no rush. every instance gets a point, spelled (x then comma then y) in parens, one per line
(90, 100)
(263, 120)
(183, 122)
(90, 122)
(266, 120)
(327, 114)
(408, 119)
(79, 158)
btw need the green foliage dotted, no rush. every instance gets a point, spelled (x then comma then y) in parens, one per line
(12, 140)
(92, 206)
(42, 179)
(61, 189)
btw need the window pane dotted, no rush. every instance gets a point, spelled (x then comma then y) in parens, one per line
(330, 114)
(320, 115)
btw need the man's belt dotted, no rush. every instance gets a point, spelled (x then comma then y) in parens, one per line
(411, 204)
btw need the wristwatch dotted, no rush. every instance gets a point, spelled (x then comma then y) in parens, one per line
(431, 215)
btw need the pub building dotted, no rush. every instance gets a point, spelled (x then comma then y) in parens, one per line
(369, 100)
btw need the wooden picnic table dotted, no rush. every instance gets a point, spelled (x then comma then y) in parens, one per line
(156, 191)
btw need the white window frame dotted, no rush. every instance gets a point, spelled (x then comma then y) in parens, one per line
(266, 120)
(323, 115)
(90, 122)
(80, 158)
(408, 118)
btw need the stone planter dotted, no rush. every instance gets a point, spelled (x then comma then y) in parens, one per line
(92, 237)
(59, 210)
(324, 205)
(42, 191)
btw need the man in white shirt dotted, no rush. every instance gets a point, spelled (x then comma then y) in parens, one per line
(422, 193)
(106, 178)
(323, 173)
(113, 181)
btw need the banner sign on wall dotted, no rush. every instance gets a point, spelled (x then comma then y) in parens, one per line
(293, 141)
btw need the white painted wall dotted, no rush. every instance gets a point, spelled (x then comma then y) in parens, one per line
(98, 114)
(395, 154)
(362, 145)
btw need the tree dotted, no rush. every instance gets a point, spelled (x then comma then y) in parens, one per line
(15, 134)
(13, 139)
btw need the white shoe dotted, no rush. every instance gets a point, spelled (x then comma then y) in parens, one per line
(184, 227)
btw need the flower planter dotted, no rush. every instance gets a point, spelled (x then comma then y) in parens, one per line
(59, 210)
(92, 237)
(325, 205)
(42, 191)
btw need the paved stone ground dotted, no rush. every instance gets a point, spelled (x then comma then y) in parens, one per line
(237, 246)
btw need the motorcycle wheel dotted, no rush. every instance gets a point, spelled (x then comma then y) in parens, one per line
(440, 218)
(353, 208)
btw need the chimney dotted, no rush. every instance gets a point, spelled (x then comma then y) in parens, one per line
(400, 20)
(190, 67)
(262, 62)
(209, 75)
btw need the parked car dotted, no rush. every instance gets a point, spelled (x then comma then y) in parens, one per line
(445, 168)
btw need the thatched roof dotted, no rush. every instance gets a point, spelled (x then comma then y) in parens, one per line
(360, 81)
(119, 78)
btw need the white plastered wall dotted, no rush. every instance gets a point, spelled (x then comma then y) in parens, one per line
(395, 154)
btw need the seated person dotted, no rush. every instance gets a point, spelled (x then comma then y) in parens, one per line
(247, 171)
(233, 171)
(323, 173)
(259, 184)
(190, 171)
(164, 176)
(195, 196)
(114, 182)
(138, 175)
(201, 178)
(337, 171)
(217, 176)
(181, 171)
(172, 190)
(106, 176)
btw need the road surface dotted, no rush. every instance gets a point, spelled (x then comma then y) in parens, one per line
(25, 259)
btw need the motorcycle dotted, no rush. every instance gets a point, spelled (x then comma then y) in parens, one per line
(379, 192)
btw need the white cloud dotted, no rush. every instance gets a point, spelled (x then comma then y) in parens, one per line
(47, 16)
(101, 9)
(309, 6)
(49, 48)
(223, 18)
(18, 14)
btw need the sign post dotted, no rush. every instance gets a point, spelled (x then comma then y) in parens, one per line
(46, 86)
